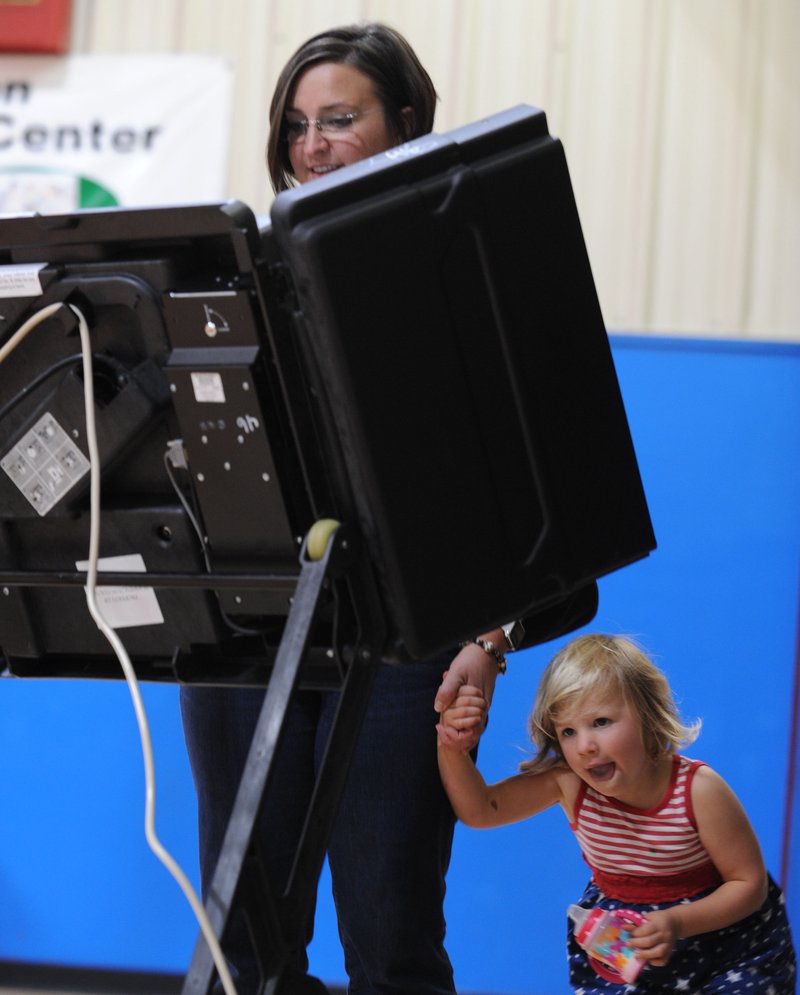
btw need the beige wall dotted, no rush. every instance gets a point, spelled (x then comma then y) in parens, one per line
(680, 119)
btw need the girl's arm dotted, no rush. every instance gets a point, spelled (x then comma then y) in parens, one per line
(483, 806)
(727, 835)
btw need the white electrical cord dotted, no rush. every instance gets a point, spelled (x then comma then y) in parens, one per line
(130, 675)
(28, 326)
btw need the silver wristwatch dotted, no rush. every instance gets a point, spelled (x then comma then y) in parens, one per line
(515, 634)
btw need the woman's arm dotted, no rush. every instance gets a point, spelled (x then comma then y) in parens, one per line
(472, 665)
(727, 835)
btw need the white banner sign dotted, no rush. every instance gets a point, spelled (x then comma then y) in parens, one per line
(84, 131)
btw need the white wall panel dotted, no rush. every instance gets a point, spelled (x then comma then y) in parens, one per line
(773, 304)
(613, 140)
(700, 231)
(680, 121)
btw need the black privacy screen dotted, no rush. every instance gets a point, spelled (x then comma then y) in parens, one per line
(412, 346)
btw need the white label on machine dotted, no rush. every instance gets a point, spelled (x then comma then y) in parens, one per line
(45, 464)
(123, 607)
(208, 388)
(21, 280)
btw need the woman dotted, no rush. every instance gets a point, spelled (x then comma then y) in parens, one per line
(345, 95)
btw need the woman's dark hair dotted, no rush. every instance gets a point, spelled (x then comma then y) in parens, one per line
(380, 53)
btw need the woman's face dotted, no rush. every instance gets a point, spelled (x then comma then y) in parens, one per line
(325, 90)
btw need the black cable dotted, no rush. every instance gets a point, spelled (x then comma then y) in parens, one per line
(37, 382)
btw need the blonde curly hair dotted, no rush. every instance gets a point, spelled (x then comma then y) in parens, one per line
(601, 663)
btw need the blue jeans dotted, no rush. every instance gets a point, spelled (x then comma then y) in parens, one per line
(390, 846)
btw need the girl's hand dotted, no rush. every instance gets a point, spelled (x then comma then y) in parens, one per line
(464, 719)
(471, 666)
(655, 939)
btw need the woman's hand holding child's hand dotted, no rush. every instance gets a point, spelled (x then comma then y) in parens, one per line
(462, 722)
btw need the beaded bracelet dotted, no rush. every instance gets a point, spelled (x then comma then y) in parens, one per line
(488, 647)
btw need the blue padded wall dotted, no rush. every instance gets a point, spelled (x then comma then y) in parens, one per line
(717, 430)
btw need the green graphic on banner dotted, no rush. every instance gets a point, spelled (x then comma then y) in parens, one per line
(95, 195)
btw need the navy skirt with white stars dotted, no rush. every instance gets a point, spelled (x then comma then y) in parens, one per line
(754, 956)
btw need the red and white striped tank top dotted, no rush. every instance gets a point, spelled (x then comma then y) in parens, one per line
(645, 854)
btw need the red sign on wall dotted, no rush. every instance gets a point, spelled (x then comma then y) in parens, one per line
(35, 25)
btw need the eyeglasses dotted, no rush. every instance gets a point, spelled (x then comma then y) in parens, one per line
(330, 124)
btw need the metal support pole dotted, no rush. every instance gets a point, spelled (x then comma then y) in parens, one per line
(280, 919)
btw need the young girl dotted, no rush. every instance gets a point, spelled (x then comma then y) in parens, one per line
(662, 834)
